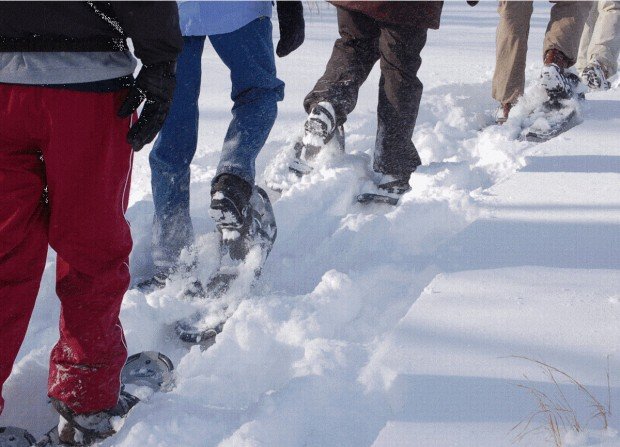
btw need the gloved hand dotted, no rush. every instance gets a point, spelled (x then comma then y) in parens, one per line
(292, 27)
(155, 84)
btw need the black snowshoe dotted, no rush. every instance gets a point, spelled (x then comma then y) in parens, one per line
(389, 190)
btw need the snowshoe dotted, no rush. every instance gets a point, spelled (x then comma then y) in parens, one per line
(258, 232)
(556, 118)
(149, 368)
(389, 190)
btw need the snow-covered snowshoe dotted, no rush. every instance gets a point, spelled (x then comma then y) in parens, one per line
(258, 233)
(557, 117)
(389, 190)
(15, 437)
(150, 369)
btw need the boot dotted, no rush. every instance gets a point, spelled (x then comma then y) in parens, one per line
(230, 200)
(595, 77)
(85, 429)
(556, 80)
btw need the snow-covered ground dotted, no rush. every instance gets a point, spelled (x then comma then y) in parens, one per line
(420, 325)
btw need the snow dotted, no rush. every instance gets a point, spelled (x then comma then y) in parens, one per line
(380, 326)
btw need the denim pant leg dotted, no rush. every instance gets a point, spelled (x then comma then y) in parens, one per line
(171, 157)
(248, 53)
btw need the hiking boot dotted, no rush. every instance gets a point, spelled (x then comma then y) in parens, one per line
(230, 203)
(85, 429)
(554, 78)
(502, 112)
(595, 77)
(320, 125)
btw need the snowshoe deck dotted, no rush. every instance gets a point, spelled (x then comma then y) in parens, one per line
(149, 368)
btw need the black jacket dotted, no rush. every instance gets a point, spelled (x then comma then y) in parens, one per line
(153, 27)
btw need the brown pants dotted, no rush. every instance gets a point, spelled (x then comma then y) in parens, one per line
(363, 41)
(563, 33)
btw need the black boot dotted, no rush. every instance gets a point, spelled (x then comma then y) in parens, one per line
(230, 199)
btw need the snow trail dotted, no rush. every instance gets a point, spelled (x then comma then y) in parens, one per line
(375, 325)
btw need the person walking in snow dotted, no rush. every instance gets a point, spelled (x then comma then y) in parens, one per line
(67, 129)
(393, 33)
(559, 50)
(600, 45)
(241, 34)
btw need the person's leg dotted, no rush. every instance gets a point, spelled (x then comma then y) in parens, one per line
(23, 218)
(171, 157)
(352, 59)
(586, 38)
(605, 43)
(511, 50)
(248, 53)
(88, 164)
(565, 27)
(400, 92)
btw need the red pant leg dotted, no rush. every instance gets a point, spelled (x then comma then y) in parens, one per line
(88, 165)
(23, 219)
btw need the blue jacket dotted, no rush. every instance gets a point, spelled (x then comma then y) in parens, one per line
(208, 17)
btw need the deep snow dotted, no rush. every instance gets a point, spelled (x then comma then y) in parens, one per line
(378, 326)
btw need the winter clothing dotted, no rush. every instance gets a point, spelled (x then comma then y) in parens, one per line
(408, 13)
(600, 41)
(207, 18)
(41, 68)
(65, 168)
(292, 27)
(248, 53)
(563, 32)
(363, 41)
(86, 166)
(155, 84)
(99, 26)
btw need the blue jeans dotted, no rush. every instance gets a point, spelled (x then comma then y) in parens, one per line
(248, 53)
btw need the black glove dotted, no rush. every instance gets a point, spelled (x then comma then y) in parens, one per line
(155, 83)
(472, 3)
(292, 27)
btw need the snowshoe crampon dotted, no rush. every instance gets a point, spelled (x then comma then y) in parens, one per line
(15, 437)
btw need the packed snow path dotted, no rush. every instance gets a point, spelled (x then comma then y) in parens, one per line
(379, 326)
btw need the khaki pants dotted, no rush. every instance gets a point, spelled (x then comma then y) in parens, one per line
(600, 40)
(563, 34)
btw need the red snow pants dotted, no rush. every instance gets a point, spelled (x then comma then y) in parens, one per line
(73, 143)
